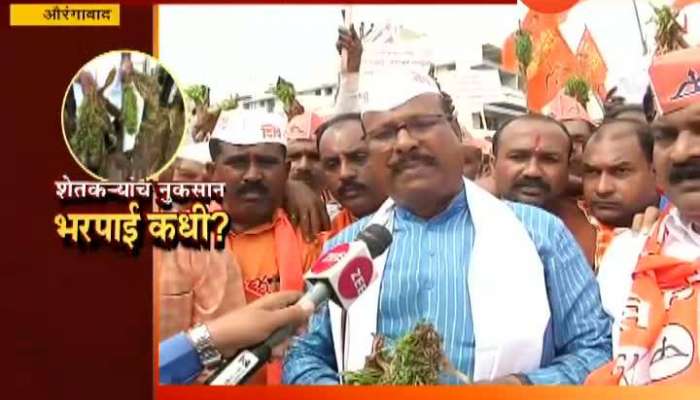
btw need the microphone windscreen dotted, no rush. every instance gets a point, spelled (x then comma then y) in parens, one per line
(377, 238)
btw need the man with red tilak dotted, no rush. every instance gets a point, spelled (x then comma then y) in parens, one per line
(531, 165)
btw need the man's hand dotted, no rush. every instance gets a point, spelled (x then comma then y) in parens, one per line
(643, 222)
(204, 123)
(350, 41)
(296, 109)
(256, 321)
(306, 210)
(88, 85)
(126, 69)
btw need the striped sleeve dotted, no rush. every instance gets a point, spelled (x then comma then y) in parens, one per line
(582, 330)
(311, 359)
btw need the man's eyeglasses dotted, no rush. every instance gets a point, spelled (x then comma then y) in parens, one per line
(417, 126)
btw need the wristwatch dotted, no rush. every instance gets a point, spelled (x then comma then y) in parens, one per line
(200, 337)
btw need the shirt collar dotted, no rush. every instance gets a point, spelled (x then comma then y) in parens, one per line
(583, 206)
(457, 205)
(263, 227)
(681, 229)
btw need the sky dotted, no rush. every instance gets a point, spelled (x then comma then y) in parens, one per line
(243, 48)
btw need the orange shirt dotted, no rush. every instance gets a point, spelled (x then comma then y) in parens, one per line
(255, 250)
(575, 220)
(604, 235)
(341, 221)
(259, 255)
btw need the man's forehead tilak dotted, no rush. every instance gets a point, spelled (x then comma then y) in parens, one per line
(537, 142)
(529, 138)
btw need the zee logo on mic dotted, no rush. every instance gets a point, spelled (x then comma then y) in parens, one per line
(355, 278)
(330, 258)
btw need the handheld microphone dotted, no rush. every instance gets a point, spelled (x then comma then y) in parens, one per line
(341, 274)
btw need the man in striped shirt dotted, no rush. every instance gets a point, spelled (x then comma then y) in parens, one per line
(425, 278)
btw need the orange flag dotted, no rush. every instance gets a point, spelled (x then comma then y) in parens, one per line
(509, 61)
(591, 63)
(679, 4)
(552, 64)
(535, 23)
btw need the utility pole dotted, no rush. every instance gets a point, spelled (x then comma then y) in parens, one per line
(639, 25)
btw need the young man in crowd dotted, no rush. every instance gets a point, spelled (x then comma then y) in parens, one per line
(618, 178)
(348, 174)
(302, 152)
(578, 123)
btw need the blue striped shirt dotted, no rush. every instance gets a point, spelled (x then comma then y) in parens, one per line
(425, 279)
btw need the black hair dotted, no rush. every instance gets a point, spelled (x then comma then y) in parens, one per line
(649, 104)
(215, 148)
(530, 117)
(447, 104)
(449, 109)
(336, 120)
(166, 83)
(616, 110)
(642, 131)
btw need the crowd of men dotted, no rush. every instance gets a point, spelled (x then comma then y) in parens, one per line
(571, 255)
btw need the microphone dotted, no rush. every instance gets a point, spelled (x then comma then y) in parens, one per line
(341, 274)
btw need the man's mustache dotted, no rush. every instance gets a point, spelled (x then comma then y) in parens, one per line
(682, 172)
(302, 175)
(414, 157)
(350, 186)
(532, 183)
(255, 187)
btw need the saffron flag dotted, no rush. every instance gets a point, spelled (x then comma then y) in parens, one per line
(591, 63)
(553, 63)
(509, 61)
(535, 23)
(680, 4)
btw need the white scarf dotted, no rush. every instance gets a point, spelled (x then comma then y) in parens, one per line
(509, 303)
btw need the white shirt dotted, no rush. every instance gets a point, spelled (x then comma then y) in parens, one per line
(682, 241)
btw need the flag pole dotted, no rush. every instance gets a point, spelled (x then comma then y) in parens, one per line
(639, 25)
